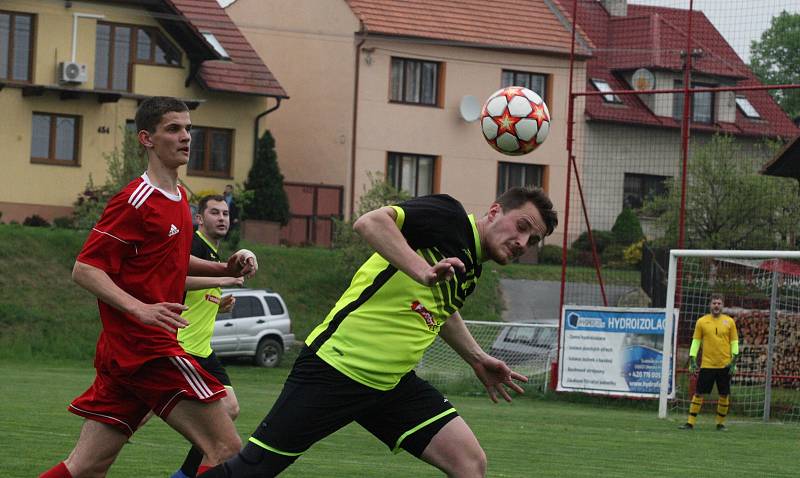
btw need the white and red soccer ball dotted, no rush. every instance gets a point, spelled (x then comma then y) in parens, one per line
(515, 120)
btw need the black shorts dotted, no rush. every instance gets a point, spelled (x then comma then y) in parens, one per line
(212, 365)
(317, 400)
(709, 376)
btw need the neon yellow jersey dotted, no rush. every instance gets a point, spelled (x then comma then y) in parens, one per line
(716, 335)
(383, 323)
(203, 305)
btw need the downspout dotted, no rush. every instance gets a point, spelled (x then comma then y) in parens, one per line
(355, 124)
(255, 126)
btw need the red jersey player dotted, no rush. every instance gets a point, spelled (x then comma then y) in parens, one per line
(135, 261)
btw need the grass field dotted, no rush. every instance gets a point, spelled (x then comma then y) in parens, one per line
(525, 439)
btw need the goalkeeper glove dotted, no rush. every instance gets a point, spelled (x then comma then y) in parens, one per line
(692, 364)
(732, 366)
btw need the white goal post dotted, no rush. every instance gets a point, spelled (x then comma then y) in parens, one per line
(767, 286)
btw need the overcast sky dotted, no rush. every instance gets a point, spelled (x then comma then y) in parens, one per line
(739, 21)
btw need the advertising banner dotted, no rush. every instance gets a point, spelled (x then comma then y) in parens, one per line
(613, 351)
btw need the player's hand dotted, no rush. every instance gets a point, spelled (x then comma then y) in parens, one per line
(243, 263)
(231, 281)
(443, 270)
(226, 304)
(495, 376)
(692, 365)
(732, 369)
(164, 314)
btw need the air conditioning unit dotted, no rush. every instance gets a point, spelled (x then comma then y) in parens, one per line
(71, 72)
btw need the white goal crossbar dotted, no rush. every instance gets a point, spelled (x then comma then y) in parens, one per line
(674, 255)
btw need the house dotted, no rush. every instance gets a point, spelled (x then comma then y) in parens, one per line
(631, 144)
(377, 87)
(71, 77)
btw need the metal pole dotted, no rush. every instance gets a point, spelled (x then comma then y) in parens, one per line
(666, 356)
(773, 318)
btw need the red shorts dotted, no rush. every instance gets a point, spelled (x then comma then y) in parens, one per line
(158, 385)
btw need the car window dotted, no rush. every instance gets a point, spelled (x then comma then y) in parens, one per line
(247, 306)
(275, 307)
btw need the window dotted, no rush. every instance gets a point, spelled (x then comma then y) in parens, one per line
(275, 307)
(602, 85)
(412, 173)
(210, 153)
(54, 139)
(747, 107)
(702, 104)
(247, 306)
(119, 46)
(642, 187)
(16, 46)
(215, 44)
(533, 81)
(415, 81)
(510, 175)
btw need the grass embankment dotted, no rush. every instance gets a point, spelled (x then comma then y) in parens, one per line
(44, 314)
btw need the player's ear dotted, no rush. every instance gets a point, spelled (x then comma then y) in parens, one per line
(494, 209)
(144, 139)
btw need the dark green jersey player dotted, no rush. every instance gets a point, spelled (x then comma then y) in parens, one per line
(358, 364)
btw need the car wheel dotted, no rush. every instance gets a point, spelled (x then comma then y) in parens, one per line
(268, 353)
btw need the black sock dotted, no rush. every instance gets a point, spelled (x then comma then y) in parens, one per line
(192, 461)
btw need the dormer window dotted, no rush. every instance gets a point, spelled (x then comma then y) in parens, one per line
(602, 85)
(747, 108)
(702, 103)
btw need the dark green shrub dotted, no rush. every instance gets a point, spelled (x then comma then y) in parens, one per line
(268, 201)
(602, 239)
(627, 229)
(550, 255)
(35, 221)
(63, 222)
(614, 255)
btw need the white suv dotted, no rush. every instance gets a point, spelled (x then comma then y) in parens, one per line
(258, 326)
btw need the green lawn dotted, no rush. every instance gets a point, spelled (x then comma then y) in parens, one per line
(525, 439)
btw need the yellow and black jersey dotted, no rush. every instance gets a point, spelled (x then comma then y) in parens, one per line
(382, 324)
(203, 305)
(716, 334)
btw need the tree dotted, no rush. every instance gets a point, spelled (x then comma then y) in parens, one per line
(775, 59)
(267, 199)
(728, 204)
(627, 229)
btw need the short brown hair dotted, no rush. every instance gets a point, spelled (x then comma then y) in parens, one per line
(149, 113)
(717, 296)
(517, 197)
(203, 204)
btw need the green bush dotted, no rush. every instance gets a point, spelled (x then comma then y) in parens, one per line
(627, 229)
(550, 255)
(602, 239)
(268, 200)
(63, 222)
(35, 221)
(614, 255)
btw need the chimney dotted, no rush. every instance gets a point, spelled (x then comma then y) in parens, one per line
(616, 8)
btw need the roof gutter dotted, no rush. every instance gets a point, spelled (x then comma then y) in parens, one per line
(355, 123)
(255, 126)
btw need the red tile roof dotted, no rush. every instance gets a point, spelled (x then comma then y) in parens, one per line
(514, 24)
(653, 37)
(245, 72)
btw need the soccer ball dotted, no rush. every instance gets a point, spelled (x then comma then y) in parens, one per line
(515, 120)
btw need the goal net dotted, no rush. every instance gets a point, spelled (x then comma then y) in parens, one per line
(761, 291)
(528, 349)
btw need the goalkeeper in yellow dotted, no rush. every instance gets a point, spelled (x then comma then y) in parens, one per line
(716, 332)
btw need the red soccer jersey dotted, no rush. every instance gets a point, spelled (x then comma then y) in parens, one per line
(142, 241)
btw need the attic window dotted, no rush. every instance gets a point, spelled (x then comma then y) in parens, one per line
(747, 107)
(602, 85)
(212, 40)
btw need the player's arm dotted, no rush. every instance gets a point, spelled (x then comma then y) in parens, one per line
(695, 347)
(734, 334)
(241, 263)
(164, 314)
(492, 372)
(379, 229)
(198, 283)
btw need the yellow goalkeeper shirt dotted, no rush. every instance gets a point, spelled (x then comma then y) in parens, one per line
(716, 334)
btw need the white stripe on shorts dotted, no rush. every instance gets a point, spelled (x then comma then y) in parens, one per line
(193, 378)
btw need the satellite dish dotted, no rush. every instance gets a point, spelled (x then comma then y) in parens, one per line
(470, 108)
(643, 80)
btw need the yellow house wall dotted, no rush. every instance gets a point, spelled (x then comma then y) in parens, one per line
(51, 189)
